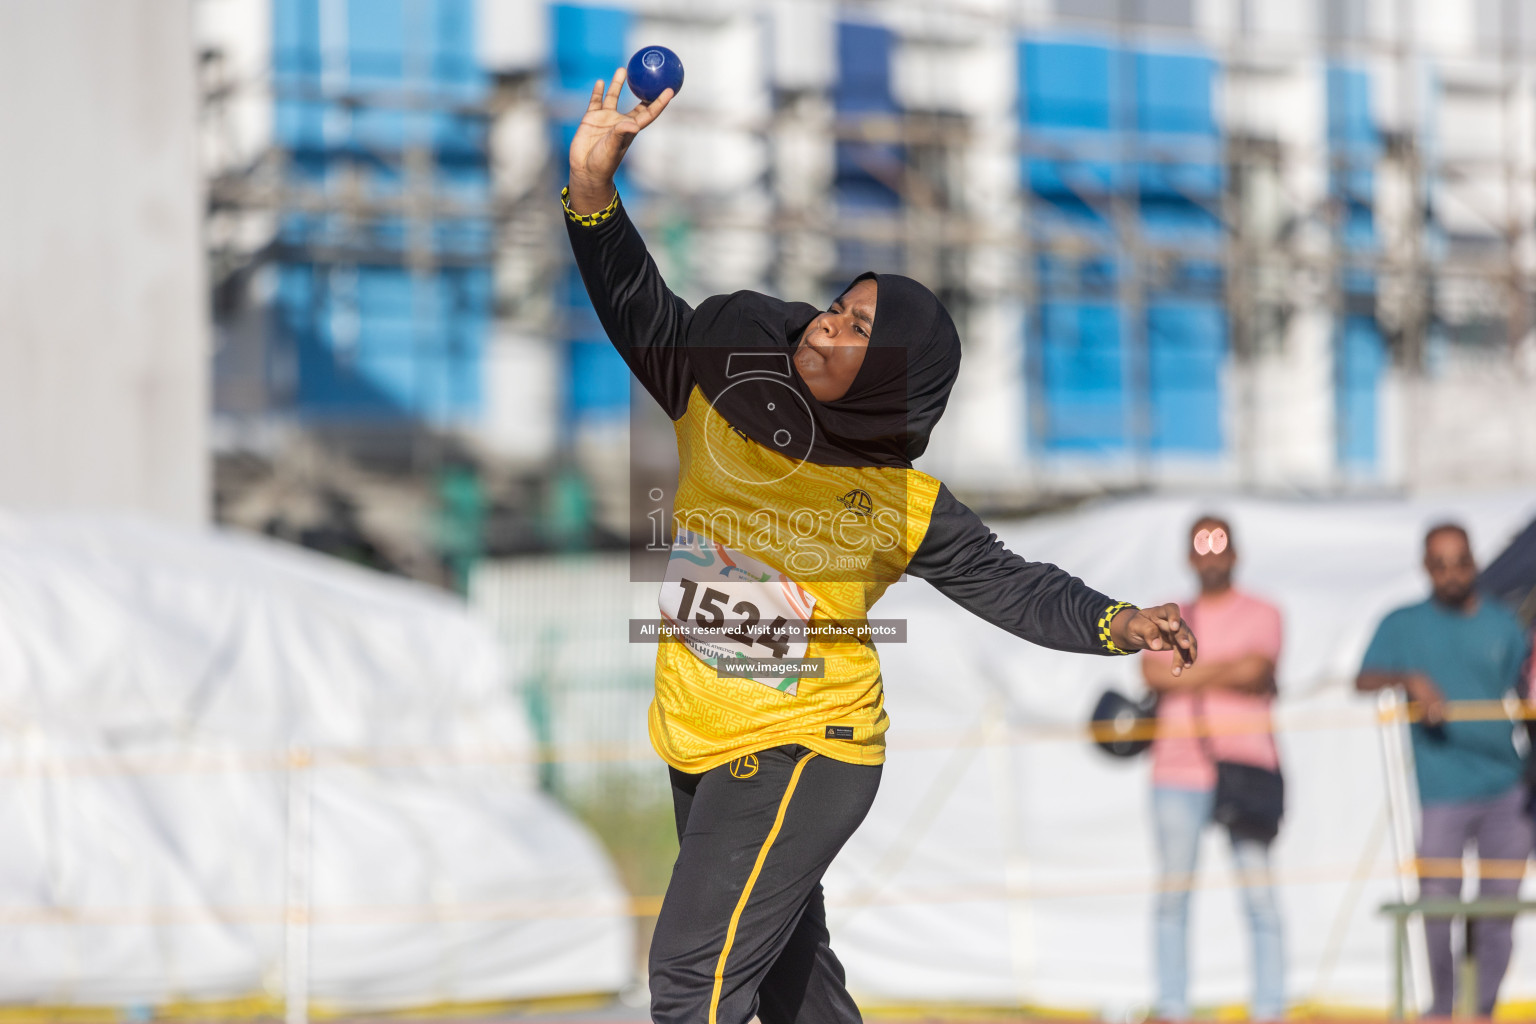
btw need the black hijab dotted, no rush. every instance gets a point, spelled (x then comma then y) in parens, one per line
(740, 348)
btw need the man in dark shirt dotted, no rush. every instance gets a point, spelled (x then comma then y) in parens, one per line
(1455, 647)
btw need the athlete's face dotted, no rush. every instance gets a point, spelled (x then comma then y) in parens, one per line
(832, 347)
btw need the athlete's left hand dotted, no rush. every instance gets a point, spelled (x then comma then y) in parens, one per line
(1155, 629)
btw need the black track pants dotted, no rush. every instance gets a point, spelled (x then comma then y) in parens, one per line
(743, 930)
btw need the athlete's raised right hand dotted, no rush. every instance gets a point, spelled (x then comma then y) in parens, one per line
(601, 140)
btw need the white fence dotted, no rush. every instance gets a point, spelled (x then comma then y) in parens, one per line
(559, 621)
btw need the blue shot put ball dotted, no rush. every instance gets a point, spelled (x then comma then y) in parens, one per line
(652, 71)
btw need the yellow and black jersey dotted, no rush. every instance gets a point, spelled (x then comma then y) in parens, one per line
(843, 535)
(821, 542)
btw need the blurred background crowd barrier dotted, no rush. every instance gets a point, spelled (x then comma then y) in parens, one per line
(240, 774)
(298, 267)
(1007, 861)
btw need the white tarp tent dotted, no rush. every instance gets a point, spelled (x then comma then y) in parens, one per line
(1007, 861)
(205, 736)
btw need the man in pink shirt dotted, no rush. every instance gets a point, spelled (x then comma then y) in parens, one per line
(1217, 709)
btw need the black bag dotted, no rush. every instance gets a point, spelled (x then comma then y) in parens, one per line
(1119, 725)
(1250, 800)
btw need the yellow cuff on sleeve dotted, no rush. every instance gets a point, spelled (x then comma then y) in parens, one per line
(1105, 637)
(588, 220)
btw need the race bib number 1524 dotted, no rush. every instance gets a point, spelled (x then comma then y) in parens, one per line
(723, 604)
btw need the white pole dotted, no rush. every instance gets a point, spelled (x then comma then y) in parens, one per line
(1392, 714)
(297, 887)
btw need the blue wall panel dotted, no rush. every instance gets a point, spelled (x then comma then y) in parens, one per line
(296, 59)
(376, 43)
(1360, 356)
(1090, 400)
(1186, 353)
(599, 379)
(865, 172)
(1069, 101)
(587, 44)
(370, 338)
(1074, 102)
(1361, 360)
(379, 342)
(455, 61)
(296, 37)
(1067, 97)
(1173, 94)
(863, 69)
(1067, 85)
(1082, 368)
(1349, 107)
(1175, 114)
(1354, 147)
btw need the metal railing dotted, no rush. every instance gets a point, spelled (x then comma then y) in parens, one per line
(1401, 912)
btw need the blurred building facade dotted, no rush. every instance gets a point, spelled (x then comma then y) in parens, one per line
(1244, 243)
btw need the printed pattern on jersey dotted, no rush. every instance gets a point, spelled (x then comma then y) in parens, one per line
(842, 534)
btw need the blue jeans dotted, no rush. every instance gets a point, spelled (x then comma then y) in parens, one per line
(1179, 816)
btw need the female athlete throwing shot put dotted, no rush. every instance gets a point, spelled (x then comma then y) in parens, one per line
(796, 506)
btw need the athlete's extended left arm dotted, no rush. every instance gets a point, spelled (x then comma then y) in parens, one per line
(1036, 600)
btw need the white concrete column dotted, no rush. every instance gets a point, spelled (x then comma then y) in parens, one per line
(103, 296)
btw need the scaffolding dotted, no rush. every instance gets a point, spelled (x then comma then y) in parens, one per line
(1372, 231)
